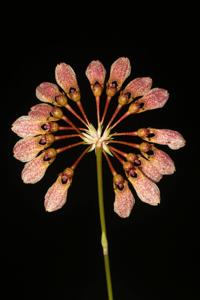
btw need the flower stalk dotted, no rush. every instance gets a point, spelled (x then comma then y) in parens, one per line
(104, 241)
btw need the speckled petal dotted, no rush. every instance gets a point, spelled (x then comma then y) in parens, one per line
(146, 189)
(124, 201)
(40, 111)
(65, 77)
(149, 170)
(96, 72)
(161, 161)
(27, 126)
(26, 149)
(35, 169)
(120, 70)
(47, 92)
(173, 139)
(56, 195)
(138, 86)
(155, 98)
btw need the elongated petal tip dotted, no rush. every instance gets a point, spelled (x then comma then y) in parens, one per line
(56, 195)
(34, 170)
(149, 170)
(96, 72)
(119, 72)
(39, 111)
(47, 92)
(146, 189)
(26, 149)
(161, 161)
(155, 98)
(173, 139)
(28, 126)
(139, 86)
(124, 201)
(65, 77)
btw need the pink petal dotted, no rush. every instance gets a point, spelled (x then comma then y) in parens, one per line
(96, 72)
(146, 189)
(173, 139)
(26, 149)
(120, 70)
(124, 201)
(138, 87)
(56, 195)
(40, 111)
(161, 161)
(27, 126)
(156, 98)
(66, 77)
(149, 169)
(35, 169)
(47, 92)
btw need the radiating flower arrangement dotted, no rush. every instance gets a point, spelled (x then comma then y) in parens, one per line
(144, 165)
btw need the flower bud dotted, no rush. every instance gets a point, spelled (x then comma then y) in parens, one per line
(61, 100)
(57, 113)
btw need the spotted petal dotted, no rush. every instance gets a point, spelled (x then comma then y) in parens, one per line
(155, 98)
(119, 72)
(96, 72)
(149, 169)
(26, 149)
(146, 189)
(56, 195)
(173, 139)
(47, 92)
(39, 111)
(138, 86)
(124, 201)
(66, 77)
(35, 169)
(161, 161)
(27, 126)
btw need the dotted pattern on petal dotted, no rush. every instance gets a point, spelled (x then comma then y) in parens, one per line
(56, 195)
(34, 170)
(124, 201)
(146, 189)
(26, 149)
(27, 126)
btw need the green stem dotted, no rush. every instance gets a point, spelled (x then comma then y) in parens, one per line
(104, 241)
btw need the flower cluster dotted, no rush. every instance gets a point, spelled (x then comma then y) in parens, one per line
(143, 166)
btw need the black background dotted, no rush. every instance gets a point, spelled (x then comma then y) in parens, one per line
(58, 255)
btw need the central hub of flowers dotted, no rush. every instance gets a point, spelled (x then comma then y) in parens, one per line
(97, 138)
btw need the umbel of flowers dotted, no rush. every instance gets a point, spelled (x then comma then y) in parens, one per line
(144, 164)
